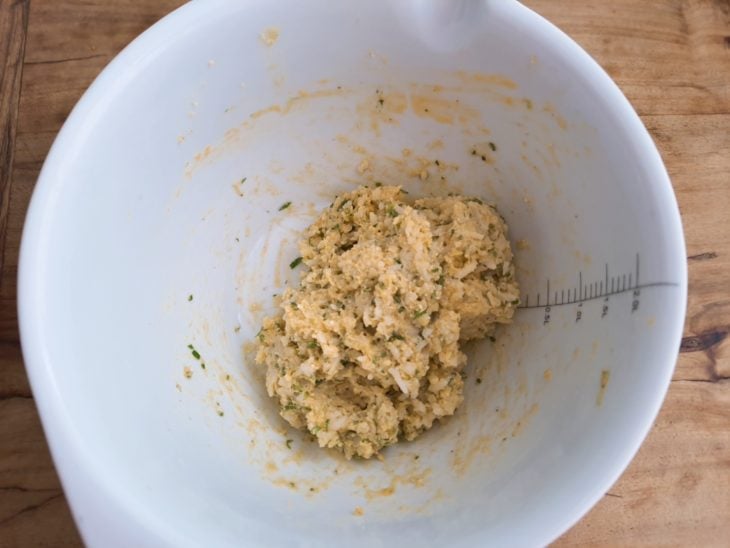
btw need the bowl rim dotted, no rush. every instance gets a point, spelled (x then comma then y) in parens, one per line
(76, 469)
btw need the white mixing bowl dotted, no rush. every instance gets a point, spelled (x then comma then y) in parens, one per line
(143, 238)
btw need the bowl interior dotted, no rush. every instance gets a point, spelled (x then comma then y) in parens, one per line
(156, 226)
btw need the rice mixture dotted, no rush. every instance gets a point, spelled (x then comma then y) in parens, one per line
(366, 350)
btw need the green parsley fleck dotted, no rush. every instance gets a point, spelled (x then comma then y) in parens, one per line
(194, 352)
(378, 184)
(492, 146)
(283, 206)
(190, 297)
(243, 180)
(288, 444)
(392, 211)
(295, 263)
(420, 313)
(220, 413)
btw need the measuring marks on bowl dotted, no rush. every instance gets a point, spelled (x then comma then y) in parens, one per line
(597, 290)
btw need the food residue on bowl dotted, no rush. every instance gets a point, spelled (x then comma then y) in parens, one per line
(605, 377)
(366, 351)
(269, 36)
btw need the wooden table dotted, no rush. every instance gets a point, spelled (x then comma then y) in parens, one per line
(671, 58)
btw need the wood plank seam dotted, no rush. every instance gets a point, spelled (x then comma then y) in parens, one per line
(13, 32)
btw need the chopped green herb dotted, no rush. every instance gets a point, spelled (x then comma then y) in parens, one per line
(396, 337)
(420, 313)
(295, 306)
(392, 211)
(288, 444)
(378, 184)
(220, 413)
(437, 162)
(312, 344)
(295, 263)
(243, 180)
(284, 206)
(492, 146)
(194, 352)
(202, 365)
(190, 297)
(475, 200)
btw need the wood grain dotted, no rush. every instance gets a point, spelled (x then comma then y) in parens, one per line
(13, 27)
(670, 57)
